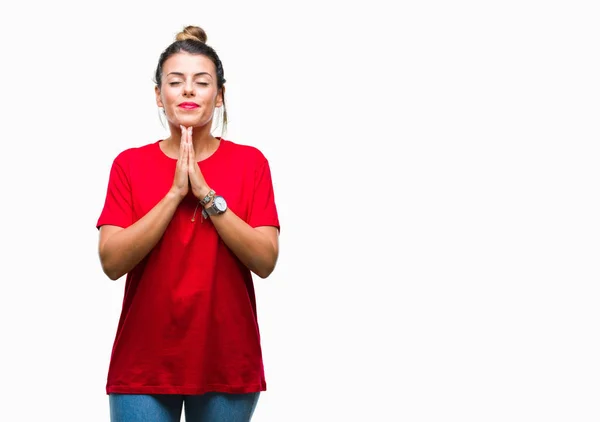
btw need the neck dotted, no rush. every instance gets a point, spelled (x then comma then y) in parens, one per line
(204, 143)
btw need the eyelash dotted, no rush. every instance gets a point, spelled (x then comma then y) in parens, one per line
(177, 83)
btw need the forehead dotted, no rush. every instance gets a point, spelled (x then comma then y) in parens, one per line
(188, 64)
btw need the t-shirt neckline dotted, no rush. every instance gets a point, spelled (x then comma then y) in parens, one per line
(210, 157)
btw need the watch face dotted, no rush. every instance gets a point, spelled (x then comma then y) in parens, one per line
(220, 203)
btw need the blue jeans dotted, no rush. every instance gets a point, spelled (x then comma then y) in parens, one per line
(209, 407)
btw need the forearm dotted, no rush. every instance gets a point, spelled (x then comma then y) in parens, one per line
(124, 249)
(252, 247)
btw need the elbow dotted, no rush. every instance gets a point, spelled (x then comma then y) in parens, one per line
(110, 269)
(111, 272)
(265, 270)
(263, 273)
(113, 275)
(263, 263)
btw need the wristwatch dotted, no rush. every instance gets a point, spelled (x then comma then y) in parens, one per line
(219, 206)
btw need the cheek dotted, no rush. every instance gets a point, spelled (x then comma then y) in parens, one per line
(208, 95)
(168, 95)
(169, 98)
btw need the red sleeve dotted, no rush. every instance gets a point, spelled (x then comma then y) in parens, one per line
(263, 211)
(118, 209)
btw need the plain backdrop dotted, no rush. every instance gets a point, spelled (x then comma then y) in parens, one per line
(435, 167)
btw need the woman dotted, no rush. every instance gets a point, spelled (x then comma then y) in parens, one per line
(188, 218)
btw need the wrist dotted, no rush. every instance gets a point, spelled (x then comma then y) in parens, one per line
(175, 195)
(209, 203)
(216, 206)
(205, 196)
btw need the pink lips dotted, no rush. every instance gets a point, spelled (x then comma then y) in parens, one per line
(188, 106)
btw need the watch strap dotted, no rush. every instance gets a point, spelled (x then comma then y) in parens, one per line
(209, 211)
(212, 210)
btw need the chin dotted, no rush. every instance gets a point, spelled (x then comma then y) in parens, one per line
(193, 123)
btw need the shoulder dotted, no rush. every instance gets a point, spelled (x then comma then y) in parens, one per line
(134, 154)
(248, 153)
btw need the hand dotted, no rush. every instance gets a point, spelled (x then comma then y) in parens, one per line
(181, 180)
(199, 187)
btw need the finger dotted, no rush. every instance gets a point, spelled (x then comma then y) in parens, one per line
(191, 144)
(182, 151)
(183, 134)
(184, 162)
(191, 157)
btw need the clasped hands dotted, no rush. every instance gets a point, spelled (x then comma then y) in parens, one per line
(187, 173)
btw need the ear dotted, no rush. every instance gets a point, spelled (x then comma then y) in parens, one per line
(158, 99)
(219, 100)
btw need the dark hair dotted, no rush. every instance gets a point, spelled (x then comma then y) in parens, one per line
(192, 40)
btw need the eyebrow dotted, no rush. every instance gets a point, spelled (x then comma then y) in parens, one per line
(197, 74)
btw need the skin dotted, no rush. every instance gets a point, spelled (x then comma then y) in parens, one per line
(187, 78)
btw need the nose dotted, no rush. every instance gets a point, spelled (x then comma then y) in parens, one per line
(188, 89)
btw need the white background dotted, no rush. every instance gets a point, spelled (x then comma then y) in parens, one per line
(436, 174)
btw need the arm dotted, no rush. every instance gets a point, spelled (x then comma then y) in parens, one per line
(257, 248)
(122, 249)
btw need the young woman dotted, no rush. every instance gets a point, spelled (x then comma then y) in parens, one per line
(187, 219)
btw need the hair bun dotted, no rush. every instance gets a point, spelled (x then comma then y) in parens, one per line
(192, 33)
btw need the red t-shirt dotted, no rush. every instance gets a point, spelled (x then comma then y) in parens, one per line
(188, 323)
